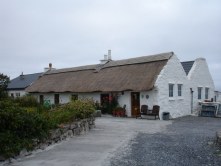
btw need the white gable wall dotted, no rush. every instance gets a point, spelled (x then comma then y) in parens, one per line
(199, 76)
(173, 73)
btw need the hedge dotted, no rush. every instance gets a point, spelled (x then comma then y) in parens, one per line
(21, 125)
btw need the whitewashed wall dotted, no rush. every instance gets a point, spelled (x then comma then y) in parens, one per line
(199, 76)
(173, 73)
(125, 99)
(21, 92)
(148, 98)
(66, 97)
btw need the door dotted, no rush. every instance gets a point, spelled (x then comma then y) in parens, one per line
(135, 104)
(56, 98)
(105, 103)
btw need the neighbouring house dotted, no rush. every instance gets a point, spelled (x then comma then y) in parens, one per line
(200, 82)
(17, 86)
(153, 80)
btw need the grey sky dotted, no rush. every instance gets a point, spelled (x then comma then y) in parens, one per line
(71, 33)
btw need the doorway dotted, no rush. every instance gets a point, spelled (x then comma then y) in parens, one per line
(135, 104)
(41, 99)
(56, 98)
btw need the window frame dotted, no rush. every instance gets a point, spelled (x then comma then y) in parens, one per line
(179, 90)
(171, 90)
(206, 93)
(199, 91)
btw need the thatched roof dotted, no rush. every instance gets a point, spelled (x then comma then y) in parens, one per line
(135, 74)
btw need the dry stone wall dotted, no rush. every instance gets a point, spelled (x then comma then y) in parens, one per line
(62, 133)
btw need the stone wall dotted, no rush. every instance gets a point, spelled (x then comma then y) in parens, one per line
(62, 133)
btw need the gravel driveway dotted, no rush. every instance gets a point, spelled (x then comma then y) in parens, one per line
(96, 147)
(136, 142)
(186, 142)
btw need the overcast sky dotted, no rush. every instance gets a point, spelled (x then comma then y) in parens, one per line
(71, 33)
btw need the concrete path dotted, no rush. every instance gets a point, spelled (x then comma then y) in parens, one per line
(96, 147)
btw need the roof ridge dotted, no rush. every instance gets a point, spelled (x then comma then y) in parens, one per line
(113, 63)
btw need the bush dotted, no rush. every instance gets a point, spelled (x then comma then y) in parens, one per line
(20, 125)
(76, 109)
(19, 128)
(27, 101)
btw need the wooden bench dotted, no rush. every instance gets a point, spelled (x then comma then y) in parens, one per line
(154, 112)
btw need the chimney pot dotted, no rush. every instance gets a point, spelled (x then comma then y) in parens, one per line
(105, 57)
(109, 54)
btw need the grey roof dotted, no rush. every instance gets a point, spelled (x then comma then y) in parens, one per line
(23, 81)
(187, 66)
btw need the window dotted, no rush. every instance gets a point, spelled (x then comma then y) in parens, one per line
(12, 95)
(56, 99)
(74, 97)
(171, 90)
(206, 93)
(199, 92)
(17, 94)
(179, 86)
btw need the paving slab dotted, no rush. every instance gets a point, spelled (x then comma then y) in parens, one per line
(97, 146)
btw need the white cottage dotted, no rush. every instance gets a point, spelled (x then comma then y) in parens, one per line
(200, 82)
(152, 80)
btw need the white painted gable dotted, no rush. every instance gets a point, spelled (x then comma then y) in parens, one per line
(173, 73)
(199, 76)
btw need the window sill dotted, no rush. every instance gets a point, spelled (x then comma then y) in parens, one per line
(171, 99)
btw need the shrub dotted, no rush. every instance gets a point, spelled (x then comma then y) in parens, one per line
(20, 125)
(19, 128)
(27, 101)
(76, 109)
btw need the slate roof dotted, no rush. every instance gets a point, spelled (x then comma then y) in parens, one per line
(187, 66)
(23, 81)
(135, 74)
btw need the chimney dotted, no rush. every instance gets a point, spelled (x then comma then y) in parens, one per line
(107, 58)
(49, 68)
(22, 76)
(109, 54)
